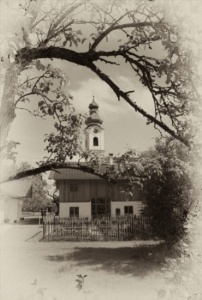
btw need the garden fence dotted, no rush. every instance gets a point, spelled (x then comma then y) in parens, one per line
(100, 229)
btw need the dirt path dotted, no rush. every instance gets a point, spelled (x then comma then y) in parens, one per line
(38, 270)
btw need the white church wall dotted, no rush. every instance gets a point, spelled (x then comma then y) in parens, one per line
(100, 137)
(90, 135)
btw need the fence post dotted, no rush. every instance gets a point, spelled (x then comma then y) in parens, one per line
(48, 230)
(118, 228)
(44, 228)
(82, 229)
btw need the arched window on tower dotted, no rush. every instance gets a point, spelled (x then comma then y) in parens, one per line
(95, 141)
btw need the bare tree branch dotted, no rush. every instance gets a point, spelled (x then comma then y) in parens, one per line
(124, 95)
(53, 167)
(108, 175)
(119, 27)
(86, 59)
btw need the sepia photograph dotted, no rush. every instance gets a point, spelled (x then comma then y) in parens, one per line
(100, 150)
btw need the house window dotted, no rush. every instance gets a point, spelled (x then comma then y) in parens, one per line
(95, 141)
(118, 212)
(73, 187)
(74, 212)
(128, 210)
(100, 207)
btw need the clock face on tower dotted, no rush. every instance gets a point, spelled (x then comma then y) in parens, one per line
(95, 130)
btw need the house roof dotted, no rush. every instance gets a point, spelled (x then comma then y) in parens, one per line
(72, 174)
(21, 188)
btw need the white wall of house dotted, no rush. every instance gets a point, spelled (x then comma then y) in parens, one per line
(12, 210)
(2, 205)
(137, 206)
(84, 209)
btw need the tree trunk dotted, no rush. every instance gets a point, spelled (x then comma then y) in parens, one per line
(7, 109)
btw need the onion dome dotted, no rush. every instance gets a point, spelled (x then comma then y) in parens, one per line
(93, 105)
(94, 117)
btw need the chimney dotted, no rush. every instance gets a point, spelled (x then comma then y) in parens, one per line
(111, 159)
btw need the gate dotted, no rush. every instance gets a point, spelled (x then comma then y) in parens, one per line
(100, 229)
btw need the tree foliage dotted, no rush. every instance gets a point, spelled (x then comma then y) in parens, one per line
(170, 191)
(39, 197)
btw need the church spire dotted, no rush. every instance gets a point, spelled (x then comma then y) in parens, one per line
(94, 117)
(94, 132)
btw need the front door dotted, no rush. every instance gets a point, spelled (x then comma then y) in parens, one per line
(100, 207)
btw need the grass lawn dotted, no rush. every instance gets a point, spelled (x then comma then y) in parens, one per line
(48, 270)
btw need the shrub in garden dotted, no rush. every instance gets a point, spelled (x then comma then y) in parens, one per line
(169, 189)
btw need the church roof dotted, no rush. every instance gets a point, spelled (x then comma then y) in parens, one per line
(93, 105)
(94, 117)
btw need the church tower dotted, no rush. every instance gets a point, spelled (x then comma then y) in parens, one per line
(94, 133)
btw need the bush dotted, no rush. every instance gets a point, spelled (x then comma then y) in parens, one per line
(169, 192)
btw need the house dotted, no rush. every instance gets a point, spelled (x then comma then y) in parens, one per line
(11, 198)
(86, 195)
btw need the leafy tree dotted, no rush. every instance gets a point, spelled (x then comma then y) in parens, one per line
(39, 197)
(102, 37)
(170, 190)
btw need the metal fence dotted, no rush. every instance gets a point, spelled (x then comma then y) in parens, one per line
(100, 229)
